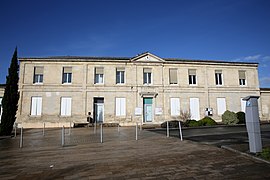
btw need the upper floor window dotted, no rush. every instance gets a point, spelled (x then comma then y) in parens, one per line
(67, 75)
(192, 80)
(120, 75)
(99, 75)
(147, 76)
(242, 78)
(218, 77)
(173, 76)
(38, 75)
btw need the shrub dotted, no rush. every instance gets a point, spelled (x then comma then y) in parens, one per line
(229, 117)
(265, 154)
(207, 121)
(192, 123)
(172, 124)
(241, 117)
(184, 115)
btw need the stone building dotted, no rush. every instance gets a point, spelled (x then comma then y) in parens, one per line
(145, 88)
(265, 104)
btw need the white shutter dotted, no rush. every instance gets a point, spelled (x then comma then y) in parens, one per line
(68, 107)
(123, 106)
(39, 106)
(118, 107)
(194, 108)
(221, 105)
(175, 107)
(63, 106)
(243, 105)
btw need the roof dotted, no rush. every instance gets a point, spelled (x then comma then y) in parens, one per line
(127, 59)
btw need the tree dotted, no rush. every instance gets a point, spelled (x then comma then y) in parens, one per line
(10, 98)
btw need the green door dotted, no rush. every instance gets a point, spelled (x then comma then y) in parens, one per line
(147, 109)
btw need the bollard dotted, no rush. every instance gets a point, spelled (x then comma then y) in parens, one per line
(180, 131)
(95, 127)
(43, 128)
(136, 131)
(69, 129)
(101, 133)
(15, 131)
(63, 136)
(141, 126)
(21, 139)
(118, 128)
(168, 131)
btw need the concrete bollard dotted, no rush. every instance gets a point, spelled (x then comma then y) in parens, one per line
(118, 128)
(136, 132)
(168, 129)
(43, 132)
(101, 133)
(63, 136)
(15, 130)
(180, 131)
(21, 139)
(69, 132)
(141, 126)
(95, 127)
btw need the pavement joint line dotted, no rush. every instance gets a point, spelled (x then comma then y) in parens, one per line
(244, 154)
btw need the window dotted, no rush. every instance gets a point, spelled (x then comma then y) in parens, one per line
(175, 107)
(218, 76)
(67, 75)
(194, 108)
(120, 75)
(38, 75)
(221, 105)
(192, 76)
(99, 75)
(173, 76)
(147, 76)
(120, 107)
(65, 106)
(242, 78)
(36, 106)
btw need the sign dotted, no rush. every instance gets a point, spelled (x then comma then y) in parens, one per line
(138, 111)
(158, 111)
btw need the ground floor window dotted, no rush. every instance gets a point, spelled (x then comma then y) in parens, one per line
(221, 105)
(175, 107)
(36, 106)
(65, 106)
(120, 106)
(243, 105)
(194, 108)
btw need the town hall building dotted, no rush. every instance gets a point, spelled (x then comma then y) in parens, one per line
(146, 89)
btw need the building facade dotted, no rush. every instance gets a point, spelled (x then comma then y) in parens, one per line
(265, 104)
(145, 88)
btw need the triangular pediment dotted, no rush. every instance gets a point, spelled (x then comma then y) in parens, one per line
(147, 57)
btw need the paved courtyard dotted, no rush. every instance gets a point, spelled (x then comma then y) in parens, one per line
(120, 156)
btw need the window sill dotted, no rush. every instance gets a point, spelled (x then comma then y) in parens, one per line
(193, 85)
(66, 83)
(37, 84)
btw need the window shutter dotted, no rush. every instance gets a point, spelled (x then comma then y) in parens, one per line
(173, 76)
(218, 71)
(120, 69)
(192, 72)
(242, 75)
(67, 69)
(118, 107)
(147, 70)
(175, 107)
(99, 70)
(123, 106)
(38, 70)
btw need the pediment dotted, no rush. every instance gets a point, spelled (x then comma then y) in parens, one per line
(147, 57)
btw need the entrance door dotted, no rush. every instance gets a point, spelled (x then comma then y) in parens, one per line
(99, 110)
(148, 112)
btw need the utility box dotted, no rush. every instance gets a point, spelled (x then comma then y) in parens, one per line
(253, 124)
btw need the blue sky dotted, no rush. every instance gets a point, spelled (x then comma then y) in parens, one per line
(232, 30)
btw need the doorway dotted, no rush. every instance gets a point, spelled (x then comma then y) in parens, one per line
(98, 110)
(147, 109)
